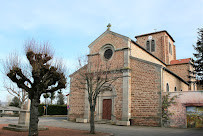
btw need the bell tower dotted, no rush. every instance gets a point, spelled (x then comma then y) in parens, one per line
(160, 44)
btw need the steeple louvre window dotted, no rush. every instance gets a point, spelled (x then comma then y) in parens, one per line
(150, 45)
(170, 48)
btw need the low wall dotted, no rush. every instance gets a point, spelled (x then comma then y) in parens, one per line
(179, 117)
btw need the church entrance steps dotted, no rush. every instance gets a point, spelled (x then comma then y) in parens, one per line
(104, 121)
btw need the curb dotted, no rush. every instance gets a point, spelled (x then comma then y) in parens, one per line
(110, 134)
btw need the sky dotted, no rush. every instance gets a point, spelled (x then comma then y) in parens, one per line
(70, 26)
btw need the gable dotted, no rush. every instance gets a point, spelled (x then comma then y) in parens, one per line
(109, 37)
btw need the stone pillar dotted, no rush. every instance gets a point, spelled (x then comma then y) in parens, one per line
(98, 109)
(126, 111)
(86, 113)
(126, 98)
(24, 116)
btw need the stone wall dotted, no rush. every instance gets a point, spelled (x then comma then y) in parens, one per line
(182, 70)
(145, 93)
(77, 96)
(173, 82)
(161, 46)
(108, 38)
(185, 71)
(140, 53)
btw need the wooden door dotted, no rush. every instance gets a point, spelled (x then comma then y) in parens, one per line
(107, 106)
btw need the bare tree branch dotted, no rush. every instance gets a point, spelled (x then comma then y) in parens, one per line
(45, 76)
(94, 78)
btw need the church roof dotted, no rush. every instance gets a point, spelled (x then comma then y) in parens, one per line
(156, 33)
(180, 61)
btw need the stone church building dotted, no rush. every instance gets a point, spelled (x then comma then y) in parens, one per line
(149, 68)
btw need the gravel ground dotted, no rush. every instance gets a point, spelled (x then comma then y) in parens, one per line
(61, 122)
(53, 131)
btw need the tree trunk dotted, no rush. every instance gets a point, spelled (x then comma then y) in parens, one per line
(92, 127)
(33, 127)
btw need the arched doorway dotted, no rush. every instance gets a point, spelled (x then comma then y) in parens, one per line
(105, 104)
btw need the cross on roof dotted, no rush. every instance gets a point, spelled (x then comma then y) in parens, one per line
(109, 25)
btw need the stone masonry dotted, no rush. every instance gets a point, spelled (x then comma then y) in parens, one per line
(136, 97)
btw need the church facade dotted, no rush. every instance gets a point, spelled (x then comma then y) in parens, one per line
(148, 67)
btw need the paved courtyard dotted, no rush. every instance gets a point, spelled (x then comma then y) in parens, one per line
(116, 130)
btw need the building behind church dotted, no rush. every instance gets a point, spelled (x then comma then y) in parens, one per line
(149, 68)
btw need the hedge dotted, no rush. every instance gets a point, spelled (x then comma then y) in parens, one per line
(53, 110)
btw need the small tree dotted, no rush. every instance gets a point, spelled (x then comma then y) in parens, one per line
(198, 62)
(95, 78)
(21, 94)
(44, 77)
(60, 96)
(15, 102)
(52, 97)
(167, 101)
(46, 96)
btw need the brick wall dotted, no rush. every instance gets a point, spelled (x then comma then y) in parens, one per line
(170, 56)
(182, 70)
(173, 82)
(199, 87)
(116, 62)
(109, 38)
(118, 86)
(140, 53)
(162, 46)
(77, 96)
(174, 52)
(145, 93)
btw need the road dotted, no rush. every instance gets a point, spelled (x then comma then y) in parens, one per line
(116, 130)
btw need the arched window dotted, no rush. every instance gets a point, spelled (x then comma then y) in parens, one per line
(152, 46)
(194, 86)
(148, 45)
(107, 52)
(175, 89)
(167, 87)
(170, 48)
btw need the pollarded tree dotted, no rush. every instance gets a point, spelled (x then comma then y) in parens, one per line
(44, 77)
(198, 62)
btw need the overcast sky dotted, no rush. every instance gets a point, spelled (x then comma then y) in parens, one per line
(70, 26)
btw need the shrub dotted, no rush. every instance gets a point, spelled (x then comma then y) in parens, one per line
(53, 110)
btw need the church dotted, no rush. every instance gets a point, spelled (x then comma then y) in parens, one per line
(149, 68)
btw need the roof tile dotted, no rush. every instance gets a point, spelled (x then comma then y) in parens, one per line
(180, 61)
